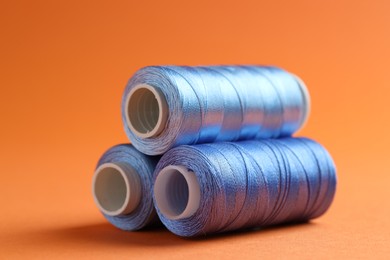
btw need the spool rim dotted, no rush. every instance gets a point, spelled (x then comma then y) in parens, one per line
(142, 117)
(104, 192)
(165, 196)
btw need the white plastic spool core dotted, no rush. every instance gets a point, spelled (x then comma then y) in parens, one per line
(146, 111)
(177, 192)
(306, 97)
(116, 188)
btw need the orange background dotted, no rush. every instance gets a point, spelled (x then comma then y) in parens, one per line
(64, 65)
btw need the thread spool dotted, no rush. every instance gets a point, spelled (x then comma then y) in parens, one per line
(167, 106)
(219, 187)
(121, 187)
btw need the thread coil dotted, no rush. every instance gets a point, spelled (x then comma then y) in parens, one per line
(253, 184)
(143, 213)
(219, 103)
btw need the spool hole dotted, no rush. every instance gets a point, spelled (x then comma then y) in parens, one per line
(110, 190)
(146, 111)
(177, 192)
(116, 188)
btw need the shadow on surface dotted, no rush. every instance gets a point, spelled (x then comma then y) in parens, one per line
(105, 234)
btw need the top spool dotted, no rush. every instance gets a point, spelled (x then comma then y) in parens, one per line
(146, 111)
(167, 106)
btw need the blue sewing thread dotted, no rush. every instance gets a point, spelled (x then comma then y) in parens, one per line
(122, 187)
(167, 106)
(219, 187)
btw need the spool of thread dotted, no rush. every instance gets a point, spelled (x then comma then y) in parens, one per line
(219, 187)
(167, 106)
(122, 187)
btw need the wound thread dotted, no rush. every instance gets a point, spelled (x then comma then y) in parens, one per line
(168, 106)
(248, 184)
(228, 162)
(122, 187)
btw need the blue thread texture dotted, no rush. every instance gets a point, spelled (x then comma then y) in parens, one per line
(254, 184)
(221, 103)
(145, 214)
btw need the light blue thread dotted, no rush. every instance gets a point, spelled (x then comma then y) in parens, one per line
(220, 103)
(144, 165)
(253, 184)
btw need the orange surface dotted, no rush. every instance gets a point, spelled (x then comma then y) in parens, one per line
(64, 65)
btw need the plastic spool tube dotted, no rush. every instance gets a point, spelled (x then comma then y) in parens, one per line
(147, 111)
(177, 192)
(116, 188)
(122, 187)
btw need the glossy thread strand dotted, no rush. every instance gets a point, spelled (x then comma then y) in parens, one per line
(168, 106)
(122, 187)
(242, 185)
